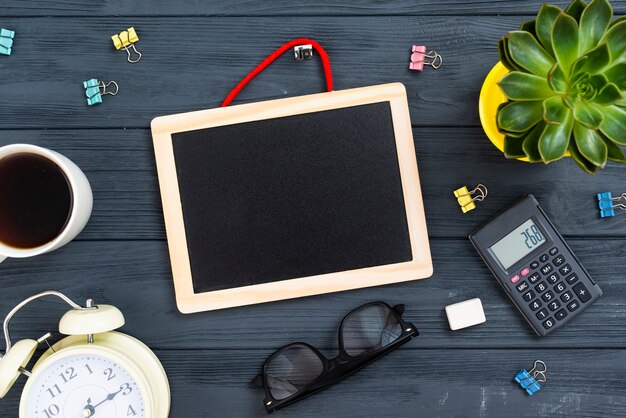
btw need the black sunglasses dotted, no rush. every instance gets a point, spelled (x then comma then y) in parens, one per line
(299, 370)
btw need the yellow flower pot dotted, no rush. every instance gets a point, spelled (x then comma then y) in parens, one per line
(490, 98)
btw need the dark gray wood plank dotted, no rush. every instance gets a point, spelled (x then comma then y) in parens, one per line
(409, 382)
(120, 165)
(136, 277)
(192, 63)
(16, 8)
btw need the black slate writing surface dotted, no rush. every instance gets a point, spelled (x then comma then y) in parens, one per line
(292, 197)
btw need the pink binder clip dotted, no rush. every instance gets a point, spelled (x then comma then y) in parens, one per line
(419, 58)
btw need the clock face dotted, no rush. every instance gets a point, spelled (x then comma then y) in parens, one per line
(84, 385)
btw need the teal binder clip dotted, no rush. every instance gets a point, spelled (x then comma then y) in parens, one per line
(6, 41)
(94, 90)
(531, 381)
(607, 204)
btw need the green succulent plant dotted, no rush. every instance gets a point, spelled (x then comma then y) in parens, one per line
(567, 86)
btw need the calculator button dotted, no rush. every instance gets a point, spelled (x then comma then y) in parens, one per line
(546, 269)
(515, 279)
(536, 305)
(549, 323)
(554, 305)
(528, 296)
(573, 305)
(567, 296)
(542, 314)
(560, 288)
(525, 272)
(553, 278)
(582, 292)
(544, 258)
(560, 315)
(572, 279)
(558, 260)
(566, 269)
(534, 265)
(554, 251)
(541, 287)
(548, 296)
(534, 278)
(523, 286)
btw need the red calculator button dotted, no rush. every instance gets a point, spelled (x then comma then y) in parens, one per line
(525, 272)
(515, 279)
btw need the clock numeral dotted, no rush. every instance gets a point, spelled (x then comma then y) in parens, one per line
(88, 369)
(109, 374)
(52, 411)
(71, 374)
(131, 411)
(126, 389)
(54, 391)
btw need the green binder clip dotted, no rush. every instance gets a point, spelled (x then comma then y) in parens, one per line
(94, 90)
(6, 41)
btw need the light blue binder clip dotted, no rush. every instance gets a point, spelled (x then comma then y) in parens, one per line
(6, 41)
(531, 381)
(94, 90)
(607, 204)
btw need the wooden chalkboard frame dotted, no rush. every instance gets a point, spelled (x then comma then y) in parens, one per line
(188, 301)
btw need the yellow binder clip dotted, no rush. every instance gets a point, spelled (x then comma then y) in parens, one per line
(126, 40)
(467, 198)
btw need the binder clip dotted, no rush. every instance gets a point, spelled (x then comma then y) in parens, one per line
(302, 52)
(531, 381)
(94, 90)
(607, 204)
(467, 198)
(126, 40)
(6, 41)
(419, 58)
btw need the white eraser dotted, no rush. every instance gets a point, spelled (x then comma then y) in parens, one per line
(465, 314)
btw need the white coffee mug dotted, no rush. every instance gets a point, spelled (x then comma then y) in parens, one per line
(82, 201)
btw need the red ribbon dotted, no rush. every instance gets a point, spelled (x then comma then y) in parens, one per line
(270, 59)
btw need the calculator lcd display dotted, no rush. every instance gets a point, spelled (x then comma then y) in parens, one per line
(517, 244)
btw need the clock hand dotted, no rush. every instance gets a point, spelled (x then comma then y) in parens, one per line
(90, 410)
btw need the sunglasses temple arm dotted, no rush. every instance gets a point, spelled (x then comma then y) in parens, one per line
(399, 309)
(257, 382)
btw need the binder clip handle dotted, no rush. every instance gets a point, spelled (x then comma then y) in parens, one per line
(104, 86)
(130, 58)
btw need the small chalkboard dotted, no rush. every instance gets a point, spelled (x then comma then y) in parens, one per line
(291, 197)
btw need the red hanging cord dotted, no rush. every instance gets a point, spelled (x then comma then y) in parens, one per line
(270, 59)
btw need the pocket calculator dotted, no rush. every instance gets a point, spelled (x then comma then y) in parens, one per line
(534, 265)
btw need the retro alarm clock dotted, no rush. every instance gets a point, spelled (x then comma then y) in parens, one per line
(93, 372)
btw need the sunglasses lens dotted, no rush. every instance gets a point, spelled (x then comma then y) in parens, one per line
(291, 370)
(370, 329)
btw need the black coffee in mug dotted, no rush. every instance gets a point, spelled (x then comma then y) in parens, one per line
(35, 200)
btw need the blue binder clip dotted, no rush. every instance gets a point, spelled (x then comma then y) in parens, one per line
(6, 41)
(607, 204)
(531, 381)
(94, 90)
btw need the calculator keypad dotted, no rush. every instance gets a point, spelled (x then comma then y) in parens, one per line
(552, 292)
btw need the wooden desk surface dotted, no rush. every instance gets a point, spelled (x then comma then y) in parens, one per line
(193, 54)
